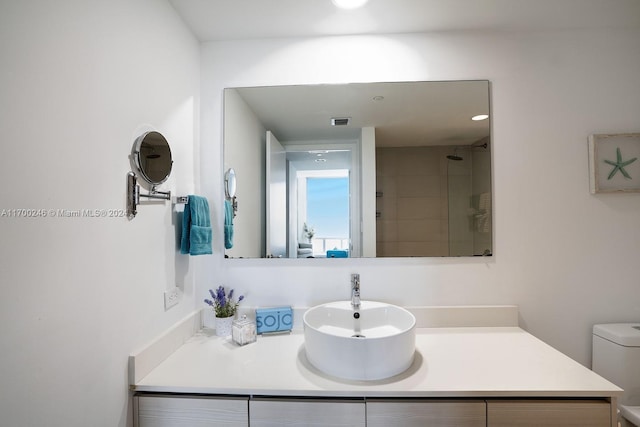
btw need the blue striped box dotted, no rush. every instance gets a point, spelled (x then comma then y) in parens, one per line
(277, 319)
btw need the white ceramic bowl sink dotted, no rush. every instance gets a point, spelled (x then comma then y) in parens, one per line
(379, 344)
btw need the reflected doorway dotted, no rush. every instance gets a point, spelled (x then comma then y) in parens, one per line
(322, 200)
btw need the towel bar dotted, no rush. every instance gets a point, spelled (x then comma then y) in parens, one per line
(180, 200)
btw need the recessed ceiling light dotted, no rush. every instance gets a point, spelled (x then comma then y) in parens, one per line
(349, 4)
(480, 117)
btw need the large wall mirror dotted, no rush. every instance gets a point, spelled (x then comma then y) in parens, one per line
(360, 170)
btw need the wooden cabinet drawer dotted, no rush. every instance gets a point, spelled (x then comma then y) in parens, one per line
(307, 413)
(189, 411)
(548, 413)
(432, 413)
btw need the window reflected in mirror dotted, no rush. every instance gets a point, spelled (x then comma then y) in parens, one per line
(325, 216)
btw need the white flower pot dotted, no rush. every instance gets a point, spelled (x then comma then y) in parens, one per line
(223, 326)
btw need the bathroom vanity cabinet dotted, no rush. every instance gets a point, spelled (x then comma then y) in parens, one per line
(494, 376)
(158, 410)
(168, 411)
(489, 413)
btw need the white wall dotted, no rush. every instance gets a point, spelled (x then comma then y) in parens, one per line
(79, 82)
(367, 184)
(569, 259)
(245, 153)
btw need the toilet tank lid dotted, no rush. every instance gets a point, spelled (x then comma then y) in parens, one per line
(626, 334)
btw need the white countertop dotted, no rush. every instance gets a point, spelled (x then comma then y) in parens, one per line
(450, 362)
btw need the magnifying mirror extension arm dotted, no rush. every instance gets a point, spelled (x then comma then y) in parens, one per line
(133, 195)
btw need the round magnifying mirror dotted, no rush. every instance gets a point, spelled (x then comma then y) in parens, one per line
(230, 183)
(153, 157)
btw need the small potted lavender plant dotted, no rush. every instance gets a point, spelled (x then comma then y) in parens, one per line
(224, 308)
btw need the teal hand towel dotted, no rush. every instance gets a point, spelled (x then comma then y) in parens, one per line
(196, 227)
(228, 224)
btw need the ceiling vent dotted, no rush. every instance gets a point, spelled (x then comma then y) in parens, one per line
(340, 121)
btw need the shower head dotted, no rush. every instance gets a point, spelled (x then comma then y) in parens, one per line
(457, 158)
(454, 156)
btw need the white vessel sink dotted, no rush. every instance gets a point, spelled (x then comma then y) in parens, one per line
(378, 344)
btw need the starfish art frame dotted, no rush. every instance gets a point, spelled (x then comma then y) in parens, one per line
(613, 163)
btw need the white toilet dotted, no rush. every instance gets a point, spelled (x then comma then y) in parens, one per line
(616, 357)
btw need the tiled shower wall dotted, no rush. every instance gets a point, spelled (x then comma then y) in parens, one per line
(412, 201)
(428, 205)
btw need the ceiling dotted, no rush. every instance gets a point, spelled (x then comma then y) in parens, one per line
(402, 113)
(212, 20)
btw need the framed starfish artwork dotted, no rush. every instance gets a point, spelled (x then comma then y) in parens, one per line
(614, 163)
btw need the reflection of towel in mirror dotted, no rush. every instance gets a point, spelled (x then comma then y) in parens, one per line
(305, 250)
(484, 202)
(228, 224)
(483, 217)
(196, 227)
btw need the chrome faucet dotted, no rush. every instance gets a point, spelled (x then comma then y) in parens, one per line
(355, 290)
